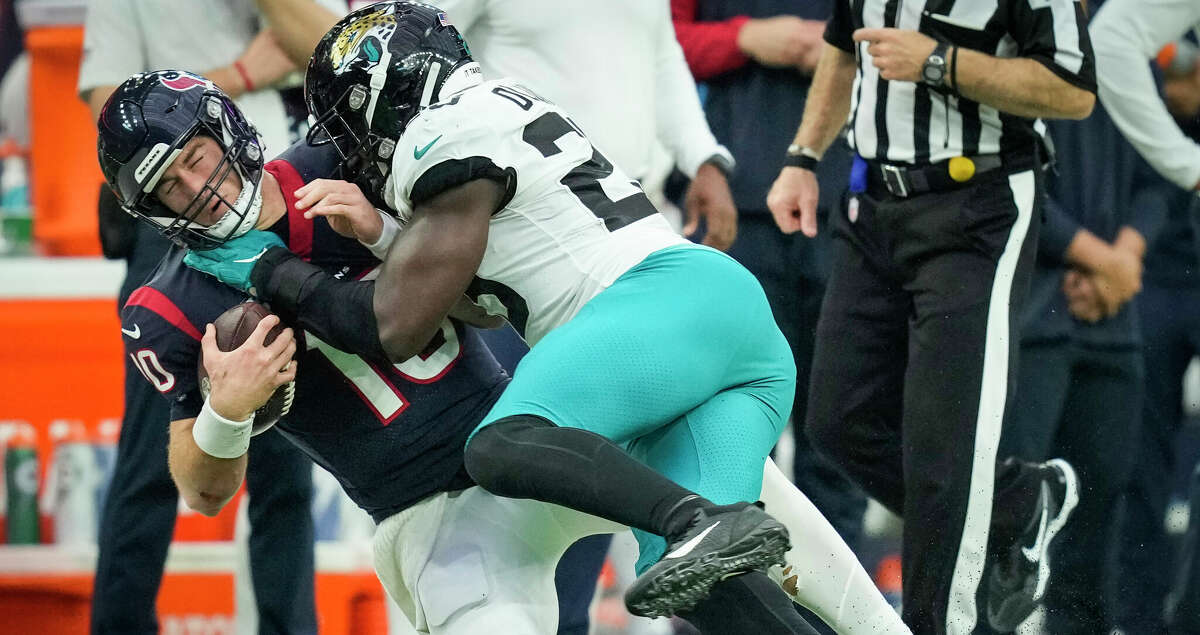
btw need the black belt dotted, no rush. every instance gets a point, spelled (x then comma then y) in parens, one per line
(903, 181)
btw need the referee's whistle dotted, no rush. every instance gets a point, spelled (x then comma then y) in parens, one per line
(961, 169)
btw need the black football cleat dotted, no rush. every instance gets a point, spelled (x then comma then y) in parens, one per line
(1017, 581)
(719, 542)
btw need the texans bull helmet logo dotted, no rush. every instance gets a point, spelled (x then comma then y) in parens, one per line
(181, 81)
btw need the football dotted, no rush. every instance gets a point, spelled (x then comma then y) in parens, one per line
(233, 327)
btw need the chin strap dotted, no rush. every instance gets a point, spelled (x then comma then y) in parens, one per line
(378, 79)
(244, 215)
(435, 68)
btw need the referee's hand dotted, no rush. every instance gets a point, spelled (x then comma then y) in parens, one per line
(793, 201)
(899, 54)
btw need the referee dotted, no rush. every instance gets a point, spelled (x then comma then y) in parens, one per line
(931, 261)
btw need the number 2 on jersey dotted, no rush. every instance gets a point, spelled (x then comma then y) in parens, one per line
(588, 180)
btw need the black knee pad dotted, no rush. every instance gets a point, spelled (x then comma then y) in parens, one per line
(494, 452)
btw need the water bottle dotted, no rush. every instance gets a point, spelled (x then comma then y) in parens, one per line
(6, 433)
(70, 493)
(16, 219)
(21, 485)
(104, 442)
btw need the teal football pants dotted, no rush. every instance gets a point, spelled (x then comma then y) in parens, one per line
(680, 361)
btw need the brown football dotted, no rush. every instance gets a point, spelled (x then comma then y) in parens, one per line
(233, 328)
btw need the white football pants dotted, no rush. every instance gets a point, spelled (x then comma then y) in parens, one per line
(468, 562)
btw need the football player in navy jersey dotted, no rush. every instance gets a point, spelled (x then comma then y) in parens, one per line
(455, 558)
(181, 157)
(657, 381)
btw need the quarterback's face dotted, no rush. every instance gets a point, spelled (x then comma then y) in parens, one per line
(183, 185)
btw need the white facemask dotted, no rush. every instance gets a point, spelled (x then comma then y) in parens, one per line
(248, 206)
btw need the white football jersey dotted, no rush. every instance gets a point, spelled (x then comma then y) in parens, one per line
(573, 223)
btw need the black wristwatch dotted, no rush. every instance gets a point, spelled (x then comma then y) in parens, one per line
(933, 72)
(801, 157)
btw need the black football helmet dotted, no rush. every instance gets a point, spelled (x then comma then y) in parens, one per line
(371, 74)
(142, 129)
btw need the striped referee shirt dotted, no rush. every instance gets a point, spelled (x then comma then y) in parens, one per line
(905, 122)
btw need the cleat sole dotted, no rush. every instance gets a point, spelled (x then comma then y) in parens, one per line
(681, 586)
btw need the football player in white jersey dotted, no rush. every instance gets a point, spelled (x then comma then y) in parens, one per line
(646, 349)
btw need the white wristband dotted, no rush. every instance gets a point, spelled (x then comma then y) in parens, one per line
(391, 227)
(220, 437)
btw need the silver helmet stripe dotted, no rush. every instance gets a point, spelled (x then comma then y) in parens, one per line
(378, 79)
(156, 154)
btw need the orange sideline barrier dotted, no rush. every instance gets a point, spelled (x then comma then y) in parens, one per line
(62, 359)
(347, 603)
(66, 175)
(45, 603)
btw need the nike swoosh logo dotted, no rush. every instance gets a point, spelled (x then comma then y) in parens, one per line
(135, 333)
(254, 257)
(420, 152)
(1034, 553)
(687, 547)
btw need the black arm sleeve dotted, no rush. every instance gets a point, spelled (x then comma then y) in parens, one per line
(339, 312)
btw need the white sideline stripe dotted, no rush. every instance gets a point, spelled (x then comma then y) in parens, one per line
(343, 556)
(59, 278)
(961, 612)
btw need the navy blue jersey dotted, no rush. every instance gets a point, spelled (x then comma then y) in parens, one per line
(392, 435)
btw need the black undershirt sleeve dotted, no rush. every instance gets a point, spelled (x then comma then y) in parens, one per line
(839, 31)
(339, 312)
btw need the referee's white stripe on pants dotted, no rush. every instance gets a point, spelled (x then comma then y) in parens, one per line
(961, 612)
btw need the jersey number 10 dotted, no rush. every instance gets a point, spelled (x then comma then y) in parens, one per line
(373, 385)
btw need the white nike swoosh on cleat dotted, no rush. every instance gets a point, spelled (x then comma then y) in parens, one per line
(1034, 553)
(135, 333)
(687, 547)
(254, 257)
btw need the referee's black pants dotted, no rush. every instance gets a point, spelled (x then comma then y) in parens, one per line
(913, 367)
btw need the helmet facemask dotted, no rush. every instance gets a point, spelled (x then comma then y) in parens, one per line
(242, 153)
(365, 157)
